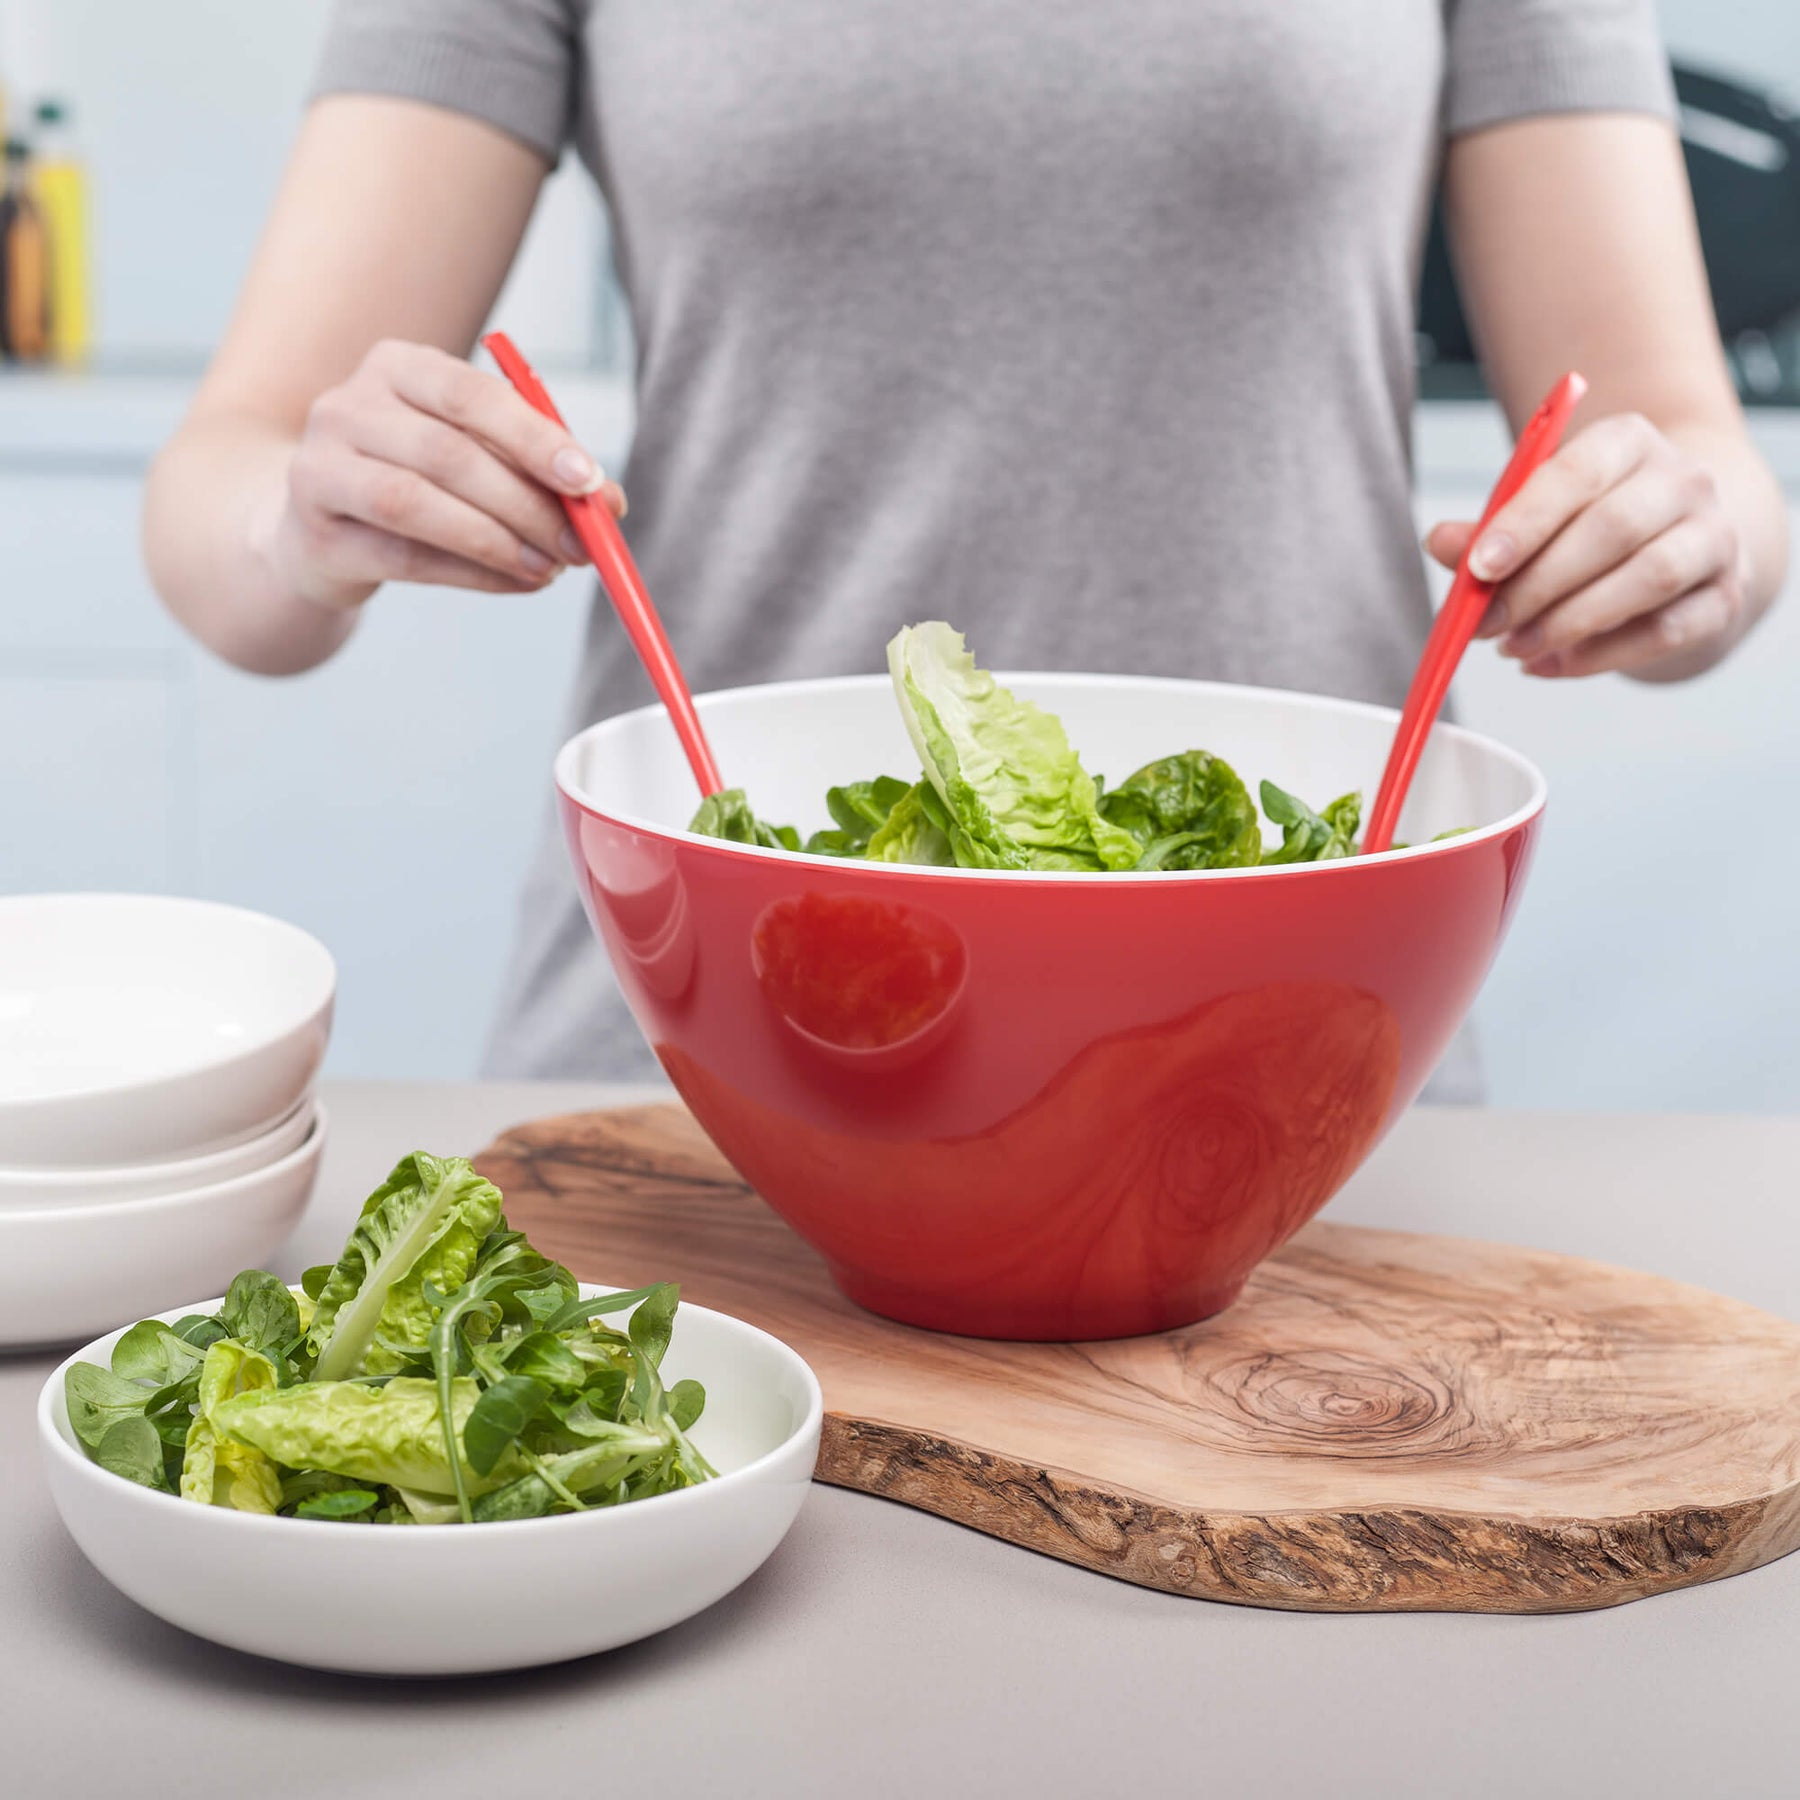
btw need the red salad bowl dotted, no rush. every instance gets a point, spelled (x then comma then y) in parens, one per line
(1034, 1105)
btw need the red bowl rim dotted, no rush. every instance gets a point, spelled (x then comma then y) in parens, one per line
(573, 749)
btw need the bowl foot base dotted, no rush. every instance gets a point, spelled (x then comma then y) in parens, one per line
(1029, 1319)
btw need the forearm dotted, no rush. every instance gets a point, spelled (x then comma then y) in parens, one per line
(1753, 500)
(212, 506)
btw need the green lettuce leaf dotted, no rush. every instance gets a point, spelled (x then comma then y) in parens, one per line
(153, 1351)
(727, 814)
(425, 1223)
(860, 810)
(259, 1310)
(1016, 794)
(1307, 836)
(917, 830)
(390, 1434)
(217, 1471)
(1188, 812)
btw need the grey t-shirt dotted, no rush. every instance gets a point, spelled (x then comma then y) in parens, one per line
(1087, 327)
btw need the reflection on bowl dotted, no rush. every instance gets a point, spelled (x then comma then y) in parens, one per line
(863, 983)
(633, 882)
(1035, 1105)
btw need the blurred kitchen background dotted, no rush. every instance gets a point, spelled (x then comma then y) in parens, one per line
(387, 802)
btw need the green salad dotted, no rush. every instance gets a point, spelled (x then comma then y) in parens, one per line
(1003, 789)
(440, 1371)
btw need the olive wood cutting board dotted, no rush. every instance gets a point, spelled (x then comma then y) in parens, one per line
(1383, 1422)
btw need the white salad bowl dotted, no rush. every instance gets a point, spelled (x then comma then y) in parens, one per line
(134, 1027)
(69, 1270)
(31, 1189)
(465, 1599)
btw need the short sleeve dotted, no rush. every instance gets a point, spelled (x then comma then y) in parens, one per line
(511, 63)
(1510, 59)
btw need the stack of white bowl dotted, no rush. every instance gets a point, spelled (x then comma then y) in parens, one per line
(158, 1130)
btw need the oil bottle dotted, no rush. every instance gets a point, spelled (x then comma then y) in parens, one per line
(59, 185)
(24, 263)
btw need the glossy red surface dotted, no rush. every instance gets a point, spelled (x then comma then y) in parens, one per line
(1039, 1107)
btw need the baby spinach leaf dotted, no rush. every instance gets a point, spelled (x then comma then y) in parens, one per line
(312, 1282)
(502, 1412)
(259, 1311)
(130, 1447)
(152, 1351)
(98, 1399)
(1016, 793)
(338, 1503)
(426, 1222)
(1188, 812)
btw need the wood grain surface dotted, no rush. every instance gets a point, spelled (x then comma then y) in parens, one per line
(1385, 1421)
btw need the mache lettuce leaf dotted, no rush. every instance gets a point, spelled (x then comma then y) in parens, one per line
(426, 1223)
(1015, 793)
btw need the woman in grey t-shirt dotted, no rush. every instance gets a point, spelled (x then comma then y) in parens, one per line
(1090, 327)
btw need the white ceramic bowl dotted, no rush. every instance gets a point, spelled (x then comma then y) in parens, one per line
(465, 1599)
(135, 1027)
(69, 1271)
(26, 1190)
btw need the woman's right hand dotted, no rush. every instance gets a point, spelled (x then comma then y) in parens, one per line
(422, 468)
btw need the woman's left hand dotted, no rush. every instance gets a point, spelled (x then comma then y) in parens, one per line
(1616, 554)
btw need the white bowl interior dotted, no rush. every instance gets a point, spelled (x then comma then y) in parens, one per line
(787, 742)
(104, 991)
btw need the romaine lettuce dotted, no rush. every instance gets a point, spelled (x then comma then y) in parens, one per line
(1003, 789)
(219, 1470)
(1016, 793)
(425, 1223)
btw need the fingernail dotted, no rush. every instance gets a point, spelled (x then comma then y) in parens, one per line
(1492, 557)
(619, 494)
(534, 562)
(1524, 643)
(1546, 665)
(576, 471)
(573, 551)
(1493, 621)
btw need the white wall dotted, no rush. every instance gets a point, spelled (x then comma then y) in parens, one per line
(185, 110)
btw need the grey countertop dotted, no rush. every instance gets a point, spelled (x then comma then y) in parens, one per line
(883, 1652)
